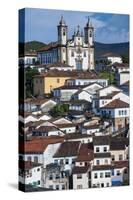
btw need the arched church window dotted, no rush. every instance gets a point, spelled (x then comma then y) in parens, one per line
(90, 34)
(64, 32)
(72, 53)
(84, 53)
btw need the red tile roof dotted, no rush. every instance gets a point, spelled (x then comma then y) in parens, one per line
(117, 103)
(120, 164)
(85, 153)
(38, 145)
(68, 149)
(80, 170)
(26, 165)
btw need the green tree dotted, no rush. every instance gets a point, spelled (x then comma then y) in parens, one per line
(125, 58)
(108, 75)
(59, 110)
(29, 73)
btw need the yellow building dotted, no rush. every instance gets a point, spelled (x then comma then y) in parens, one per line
(45, 83)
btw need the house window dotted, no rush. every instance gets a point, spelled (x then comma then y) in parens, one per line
(38, 169)
(113, 158)
(105, 149)
(112, 172)
(67, 161)
(102, 184)
(119, 112)
(57, 187)
(50, 177)
(36, 159)
(102, 102)
(79, 176)
(72, 53)
(97, 149)
(73, 161)
(29, 158)
(109, 112)
(120, 157)
(107, 174)
(58, 80)
(57, 176)
(38, 182)
(79, 187)
(98, 162)
(63, 187)
(118, 173)
(95, 175)
(56, 161)
(51, 187)
(101, 175)
(61, 161)
(125, 112)
(106, 161)
(107, 184)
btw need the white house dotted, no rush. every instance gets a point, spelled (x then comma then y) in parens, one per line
(120, 172)
(29, 59)
(122, 77)
(118, 111)
(93, 80)
(90, 129)
(66, 154)
(101, 169)
(82, 95)
(111, 57)
(30, 173)
(80, 177)
(55, 178)
(40, 150)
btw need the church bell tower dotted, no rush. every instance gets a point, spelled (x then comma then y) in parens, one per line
(62, 40)
(89, 39)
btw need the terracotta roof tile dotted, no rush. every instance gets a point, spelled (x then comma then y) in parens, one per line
(80, 170)
(117, 103)
(38, 145)
(68, 149)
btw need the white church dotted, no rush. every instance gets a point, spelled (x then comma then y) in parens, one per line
(77, 52)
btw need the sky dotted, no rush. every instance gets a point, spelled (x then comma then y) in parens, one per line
(41, 25)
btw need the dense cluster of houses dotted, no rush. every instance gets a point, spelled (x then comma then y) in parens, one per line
(87, 146)
(74, 129)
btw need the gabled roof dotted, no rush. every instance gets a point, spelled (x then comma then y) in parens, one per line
(27, 165)
(102, 167)
(117, 145)
(117, 103)
(85, 153)
(110, 96)
(38, 145)
(102, 155)
(68, 149)
(101, 140)
(120, 164)
(80, 170)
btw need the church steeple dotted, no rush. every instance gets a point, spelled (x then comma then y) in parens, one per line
(89, 33)
(62, 40)
(62, 31)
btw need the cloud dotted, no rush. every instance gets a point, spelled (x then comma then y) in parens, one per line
(41, 25)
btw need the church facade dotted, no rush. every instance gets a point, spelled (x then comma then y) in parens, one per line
(77, 52)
